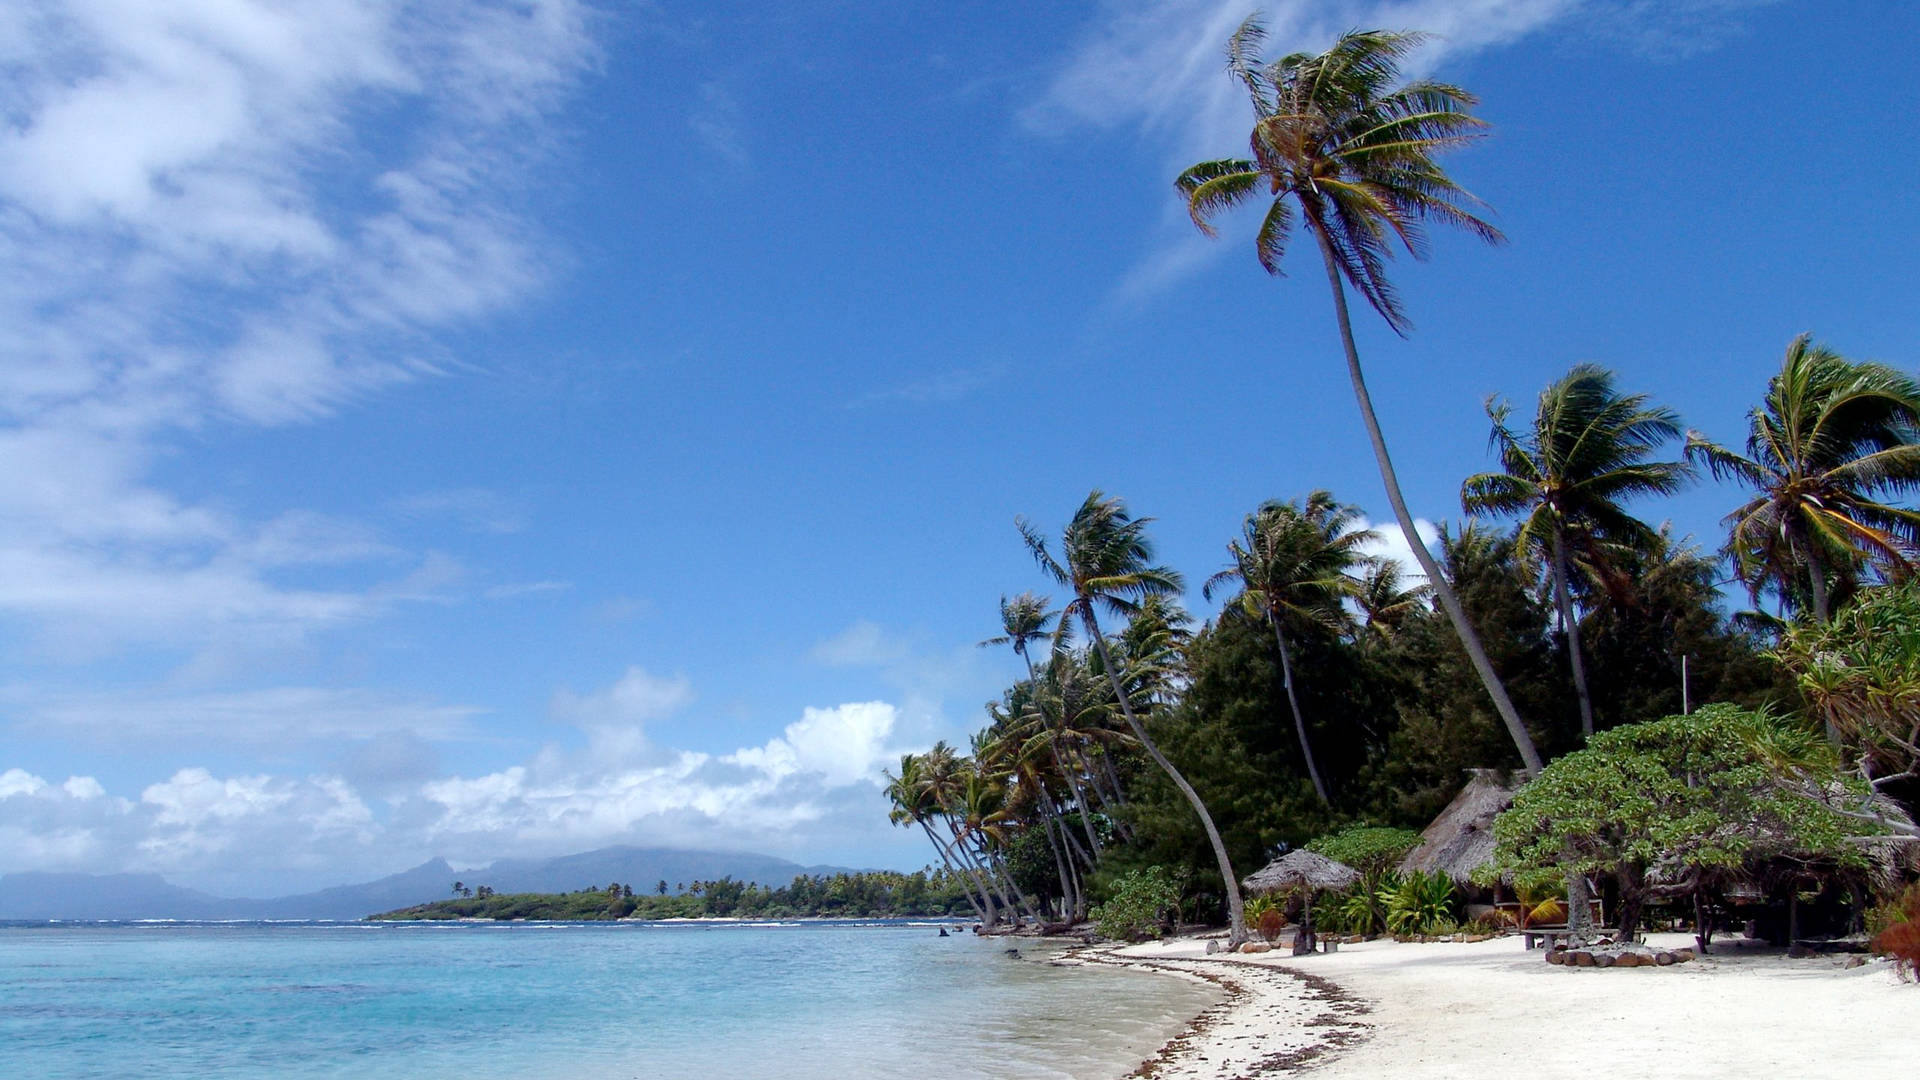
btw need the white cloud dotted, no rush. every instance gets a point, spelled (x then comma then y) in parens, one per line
(842, 745)
(476, 509)
(633, 700)
(818, 780)
(1391, 543)
(278, 716)
(239, 211)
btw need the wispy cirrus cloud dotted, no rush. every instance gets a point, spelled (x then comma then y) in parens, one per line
(1157, 70)
(275, 716)
(240, 213)
(936, 388)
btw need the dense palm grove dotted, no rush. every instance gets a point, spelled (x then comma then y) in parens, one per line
(1329, 691)
(873, 894)
(1334, 697)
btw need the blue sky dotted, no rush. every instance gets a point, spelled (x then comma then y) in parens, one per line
(507, 429)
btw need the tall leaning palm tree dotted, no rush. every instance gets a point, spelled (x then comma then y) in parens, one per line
(1566, 477)
(1025, 619)
(1107, 561)
(1295, 566)
(1831, 440)
(1335, 136)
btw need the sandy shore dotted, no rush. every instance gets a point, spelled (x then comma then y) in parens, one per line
(1383, 1009)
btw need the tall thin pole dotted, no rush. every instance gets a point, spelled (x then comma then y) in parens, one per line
(1686, 702)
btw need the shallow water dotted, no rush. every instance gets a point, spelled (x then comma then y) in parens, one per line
(439, 1001)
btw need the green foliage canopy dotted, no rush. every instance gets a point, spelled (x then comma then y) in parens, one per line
(1692, 795)
(1861, 674)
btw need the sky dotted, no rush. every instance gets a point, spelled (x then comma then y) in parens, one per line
(479, 429)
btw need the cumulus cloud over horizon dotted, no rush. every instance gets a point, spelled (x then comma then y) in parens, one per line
(821, 774)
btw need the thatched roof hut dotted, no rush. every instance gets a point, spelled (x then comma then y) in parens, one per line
(1460, 840)
(1301, 867)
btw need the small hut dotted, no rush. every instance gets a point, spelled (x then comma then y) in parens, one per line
(1307, 871)
(1460, 840)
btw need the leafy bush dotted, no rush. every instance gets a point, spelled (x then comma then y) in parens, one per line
(1420, 904)
(1139, 905)
(1374, 852)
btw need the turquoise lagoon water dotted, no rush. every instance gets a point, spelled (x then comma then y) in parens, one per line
(533, 1001)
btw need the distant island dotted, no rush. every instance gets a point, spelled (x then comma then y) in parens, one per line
(876, 894)
(40, 895)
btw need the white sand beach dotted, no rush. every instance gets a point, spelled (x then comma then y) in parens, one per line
(1385, 1009)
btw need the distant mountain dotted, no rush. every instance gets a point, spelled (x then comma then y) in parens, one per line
(642, 868)
(106, 896)
(149, 896)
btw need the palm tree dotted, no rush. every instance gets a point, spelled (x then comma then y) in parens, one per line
(1566, 478)
(1295, 565)
(1107, 560)
(1024, 619)
(1384, 599)
(916, 800)
(1333, 134)
(1831, 439)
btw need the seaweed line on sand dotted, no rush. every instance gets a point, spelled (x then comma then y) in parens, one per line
(1312, 1019)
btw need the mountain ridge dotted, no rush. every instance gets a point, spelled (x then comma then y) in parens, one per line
(38, 895)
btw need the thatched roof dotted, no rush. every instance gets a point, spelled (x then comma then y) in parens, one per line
(1460, 840)
(1301, 867)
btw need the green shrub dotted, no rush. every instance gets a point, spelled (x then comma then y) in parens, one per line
(1373, 852)
(1139, 905)
(1420, 904)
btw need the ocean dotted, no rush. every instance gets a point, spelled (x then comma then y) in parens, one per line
(543, 1001)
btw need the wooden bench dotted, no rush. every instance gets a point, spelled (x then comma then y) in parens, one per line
(1549, 936)
(1546, 937)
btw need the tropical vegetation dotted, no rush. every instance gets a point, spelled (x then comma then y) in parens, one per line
(1558, 632)
(872, 894)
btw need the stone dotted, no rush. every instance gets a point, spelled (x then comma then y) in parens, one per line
(1855, 961)
(1256, 947)
(1213, 946)
(1681, 956)
(1580, 958)
(1663, 958)
(1556, 956)
(1604, 960)
(1629, 959)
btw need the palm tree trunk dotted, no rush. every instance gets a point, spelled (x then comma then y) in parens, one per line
(1299, 721)
(1442, 589)
(1563, 601)
(1236, 911)
(1817, 578)
(1048, 821)
(980, 878)
(946, 858)
(1033, 685)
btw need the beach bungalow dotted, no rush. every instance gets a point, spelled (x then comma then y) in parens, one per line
(1460, 840)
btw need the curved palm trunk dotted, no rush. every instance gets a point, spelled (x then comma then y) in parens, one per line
(1062, 856)
(1079, 798)
(981, 880)
(1817, 579)
(1236, 911)
(1563, 600)
(947, 858)
(1299, 721)
(1073, 780)
(1442, 588)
